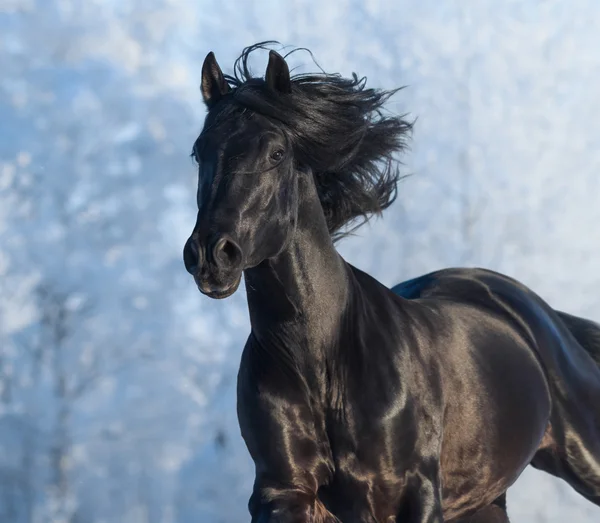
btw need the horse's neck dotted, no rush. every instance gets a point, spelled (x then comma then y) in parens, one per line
(299, 297)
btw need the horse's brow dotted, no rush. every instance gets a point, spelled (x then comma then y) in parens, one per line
(270, 133)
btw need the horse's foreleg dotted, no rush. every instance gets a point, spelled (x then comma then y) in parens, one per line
(290, 508)
(494, 513)
(422, 501)
(489, 514)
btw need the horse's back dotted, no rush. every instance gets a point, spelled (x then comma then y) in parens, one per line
(555, 336)
(586, 332)
(571, 447)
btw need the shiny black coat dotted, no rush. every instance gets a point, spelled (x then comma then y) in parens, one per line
(424, 405)
(358, 403)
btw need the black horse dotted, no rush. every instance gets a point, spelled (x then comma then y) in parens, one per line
(359, 403)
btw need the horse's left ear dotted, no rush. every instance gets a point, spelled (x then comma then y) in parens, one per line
(278, 74)
(214, 85)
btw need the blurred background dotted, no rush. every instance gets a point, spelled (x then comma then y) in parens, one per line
(117, 378)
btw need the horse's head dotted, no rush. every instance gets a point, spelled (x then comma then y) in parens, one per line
(262, 138)
(247, 188)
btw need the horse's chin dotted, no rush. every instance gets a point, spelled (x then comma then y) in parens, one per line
(220, 293)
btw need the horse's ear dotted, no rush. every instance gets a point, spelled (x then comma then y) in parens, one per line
(278, 74)
(214, 85)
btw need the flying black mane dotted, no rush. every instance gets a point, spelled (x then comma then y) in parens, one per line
(337, 127)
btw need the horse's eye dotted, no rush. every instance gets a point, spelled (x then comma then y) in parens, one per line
(277, 155)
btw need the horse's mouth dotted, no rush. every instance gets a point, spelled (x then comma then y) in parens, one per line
(219, 293)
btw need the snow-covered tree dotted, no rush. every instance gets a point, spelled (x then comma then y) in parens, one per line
(117, 379)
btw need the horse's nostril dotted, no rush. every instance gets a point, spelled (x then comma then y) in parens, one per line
(191, 256)
(229, 249)
(227, 252)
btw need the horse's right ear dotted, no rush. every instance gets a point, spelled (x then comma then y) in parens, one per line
(214, 85)
(277, 76)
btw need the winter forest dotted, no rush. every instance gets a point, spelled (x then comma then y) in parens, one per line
(117, 378)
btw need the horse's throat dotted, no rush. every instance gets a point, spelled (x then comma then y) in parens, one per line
(303, 291)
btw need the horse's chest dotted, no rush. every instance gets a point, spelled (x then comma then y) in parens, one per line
(364, 485)
(369, 459)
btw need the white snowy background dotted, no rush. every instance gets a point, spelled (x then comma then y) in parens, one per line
(117, 377)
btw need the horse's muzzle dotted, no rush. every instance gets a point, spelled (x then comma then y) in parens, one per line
(217, 291)
(216, 265)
